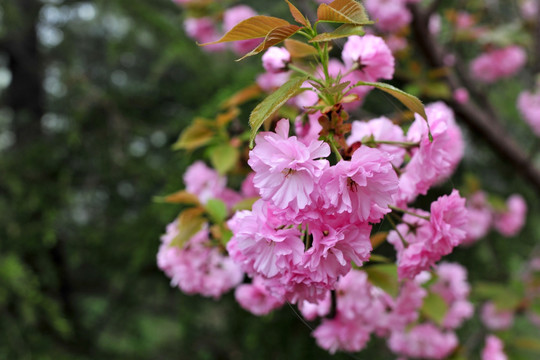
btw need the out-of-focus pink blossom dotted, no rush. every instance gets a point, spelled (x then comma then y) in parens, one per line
(464, 20)
(197, 268)
(204, 182)
(232, 17)
(495, 319)
(498, 63)
(256, 299)
(389, 15)
(461, 95)
(424, 341)
(396, 43)
(308, 131)
(310, 311)
(529, 106)
(434, 24)
(272, 81)
(341, 334)
(286, 170)
(434, 160)
(203, 30)
(510, 222)
(275, 59)
(493, 349)
(479, 217)
(382, 129)
(530, 9)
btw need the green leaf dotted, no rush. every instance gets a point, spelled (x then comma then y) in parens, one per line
(379, 258)
(527, 343)
(190, 222)
(217, 210)
(253, 28)
(499, 294)
(223, 157)
(384, 276)
(378, 238)
(274, 37)
(196, 135)
(344, 30)
(411, 102)
(343, 11)
(272, 103)
(434, 308)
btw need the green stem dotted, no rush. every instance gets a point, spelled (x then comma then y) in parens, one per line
(396, 229)
(396, 143)
(305, 73)
(409, 212)
(335, 150)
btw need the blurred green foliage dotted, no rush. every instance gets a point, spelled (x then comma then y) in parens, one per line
(86, 129)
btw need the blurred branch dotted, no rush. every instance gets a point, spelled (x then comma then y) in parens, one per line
(482, 120)
(432, 8)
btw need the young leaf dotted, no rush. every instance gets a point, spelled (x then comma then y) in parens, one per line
(217, 210)
(242, 96)
(224, 118)
(274, 37)
(253, 28)
(297, 15)
(378, 238)
(298, 49)
(272, 103)
(245, 204)
(344, 30)
(197, 134)
(180, 197)
(190, 222)
(434, 308)
(343, 11)
(411, 102)
(223, 157)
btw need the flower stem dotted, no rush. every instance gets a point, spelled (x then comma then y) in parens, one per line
(335, 150)
(396, 229)
(305, 73)
(427, 218)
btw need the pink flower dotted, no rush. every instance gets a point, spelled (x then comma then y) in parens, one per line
(434, 160)
(307, 127)
(232, 17)
(197, 268)
(286, 170)
(256, 299)
(464, 20)
(499, 63)
(493, 349)
(424, 341)
(275, 59)
(261, 244)
(449, 221)
(363, 186)
(389, 15)
(479, 217)
(341, 334)
(204, 182)
(203, 30)
(310, 311)
(458, 312)
(529, 107)
(461, 96)
(371, 54)
(272, 81)
(529, 9)
(495, 319)
(408, 303)
(510, 222)
(382, 129)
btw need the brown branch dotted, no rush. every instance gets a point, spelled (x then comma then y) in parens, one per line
(482, 120)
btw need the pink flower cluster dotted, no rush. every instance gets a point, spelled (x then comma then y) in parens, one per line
(529, 106)
(482, 216)
(363, 309)
(389, 15)
(313, 219)
(499, 63)
(493, 349)
(196, 267)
